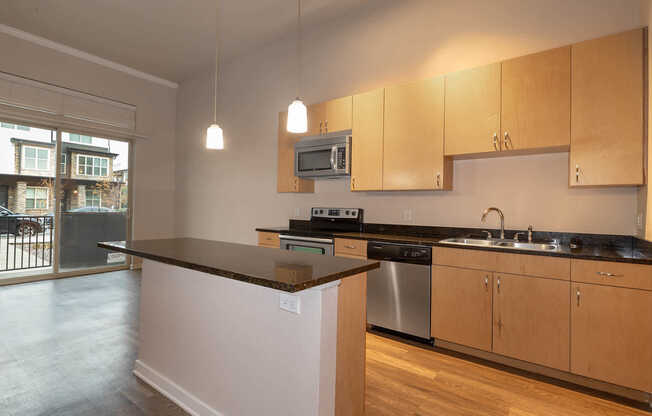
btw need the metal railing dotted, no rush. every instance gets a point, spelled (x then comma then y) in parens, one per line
(26, 242)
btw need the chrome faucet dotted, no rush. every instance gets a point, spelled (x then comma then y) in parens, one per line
(502, 219)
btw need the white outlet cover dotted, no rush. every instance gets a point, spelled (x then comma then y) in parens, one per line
(290, 303)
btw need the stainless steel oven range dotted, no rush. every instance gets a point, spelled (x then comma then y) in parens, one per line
(318, 238)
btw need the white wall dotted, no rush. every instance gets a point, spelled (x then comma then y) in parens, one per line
(225, 195)
(156, 115)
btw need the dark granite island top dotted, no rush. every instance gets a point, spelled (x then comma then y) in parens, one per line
(278, 269)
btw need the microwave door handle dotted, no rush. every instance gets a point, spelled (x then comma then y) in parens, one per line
(333, 156)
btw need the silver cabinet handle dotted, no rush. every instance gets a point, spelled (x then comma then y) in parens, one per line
(326, 126)
(350, 247)
(320, 127)
(486, 282)
(438, 180)
(607, 274)
(578, 296)
(498, 285)
(353, 182)
(496, 142)
(577, 173)
(508, 141)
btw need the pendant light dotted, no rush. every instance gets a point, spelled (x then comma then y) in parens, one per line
(297, 112)
(214, 133)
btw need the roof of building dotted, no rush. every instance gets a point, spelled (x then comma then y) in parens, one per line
(68, 146)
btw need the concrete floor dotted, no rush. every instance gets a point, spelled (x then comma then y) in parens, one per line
(67, 347)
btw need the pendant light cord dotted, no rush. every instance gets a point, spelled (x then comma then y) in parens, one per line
(299, 62)
(217, 54)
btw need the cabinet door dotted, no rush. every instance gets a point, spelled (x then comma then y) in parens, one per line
(413, 152)
(607, 111)
(461, 306)
(330, 116)
(367, 145)
(473, 110)
(611, 335)
(536, 99)
(532, 319)
(285, 179)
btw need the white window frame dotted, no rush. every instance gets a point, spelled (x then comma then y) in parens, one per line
(92, 192)
(36, 148)
(47, 197)
(63, 162)
(70, 135)
(92, 166)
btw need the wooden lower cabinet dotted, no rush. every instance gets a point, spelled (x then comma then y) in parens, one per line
(531, 321)
(611, 335)
(269, 239)
(461, 306)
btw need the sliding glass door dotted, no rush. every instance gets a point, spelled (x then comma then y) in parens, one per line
(60, 193)
(94, 200)
(27, 199)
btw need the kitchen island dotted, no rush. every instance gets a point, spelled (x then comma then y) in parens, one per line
(232, 329)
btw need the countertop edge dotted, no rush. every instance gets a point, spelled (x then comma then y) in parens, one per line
(285, 287)
(428, 241)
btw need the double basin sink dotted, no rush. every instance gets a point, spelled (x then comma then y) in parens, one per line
(497, 243)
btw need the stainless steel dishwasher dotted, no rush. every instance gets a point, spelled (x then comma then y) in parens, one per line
(398, 294)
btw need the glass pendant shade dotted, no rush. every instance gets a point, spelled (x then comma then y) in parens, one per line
(214, 137)
(297, 117)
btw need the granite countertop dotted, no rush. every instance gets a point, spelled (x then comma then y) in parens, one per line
(278, 269)
(626, 249)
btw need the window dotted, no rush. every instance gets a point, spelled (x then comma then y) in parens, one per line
(14, 126)
(80, 138)
(93, 198)
(36, 158)
(92, 166)
(36, 198)
(63, 163)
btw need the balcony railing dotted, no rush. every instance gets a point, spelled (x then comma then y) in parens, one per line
(26, 242)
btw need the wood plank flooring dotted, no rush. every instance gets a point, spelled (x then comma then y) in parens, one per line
(404, 379)
(67, 348)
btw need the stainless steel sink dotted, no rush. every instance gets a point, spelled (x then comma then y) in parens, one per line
(496, 243)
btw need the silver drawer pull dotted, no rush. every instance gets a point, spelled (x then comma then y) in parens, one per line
(607, 274)
(351, 247)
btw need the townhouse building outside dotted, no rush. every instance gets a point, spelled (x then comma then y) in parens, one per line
(27, 171)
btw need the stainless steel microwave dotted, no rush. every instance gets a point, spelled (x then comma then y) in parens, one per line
(325, 156)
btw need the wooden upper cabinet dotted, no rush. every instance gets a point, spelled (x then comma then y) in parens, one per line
(461, 306)
(536, 100)
(413, 155)
(285, 179)
(531, 320)
(330, 116)
(607, 111)
(367, 144)
(473, 110)
(611, 335)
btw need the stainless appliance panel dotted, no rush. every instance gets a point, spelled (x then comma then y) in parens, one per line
(398, 298)
(307, 245)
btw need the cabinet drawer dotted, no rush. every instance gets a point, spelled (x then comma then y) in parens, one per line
(468, 259)
(268, 239)
(531, 265)
(351, 247)
(635, 276)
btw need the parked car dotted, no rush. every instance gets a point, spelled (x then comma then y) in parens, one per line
(93, 209)
(21, 224)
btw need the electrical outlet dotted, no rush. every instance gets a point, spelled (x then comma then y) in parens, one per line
(297, 212)
(639, 221)
(290, 303)
(406, 215)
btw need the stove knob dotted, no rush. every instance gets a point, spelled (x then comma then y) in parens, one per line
(347, 212)
(354, 213)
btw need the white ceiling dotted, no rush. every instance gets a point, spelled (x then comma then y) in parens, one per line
(171, 39)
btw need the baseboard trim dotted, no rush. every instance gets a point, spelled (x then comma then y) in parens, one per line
(187, 401)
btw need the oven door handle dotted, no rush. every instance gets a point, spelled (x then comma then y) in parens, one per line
(309, 239)
(333, 156)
